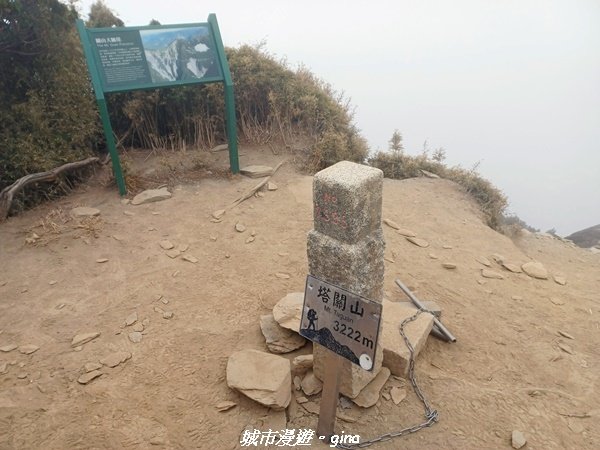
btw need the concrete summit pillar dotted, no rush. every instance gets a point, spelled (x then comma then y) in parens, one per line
(346, 248)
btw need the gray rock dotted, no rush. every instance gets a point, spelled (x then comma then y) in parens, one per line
(151, 195)
(263, 377)
(279, 339)
(84, 211)
(288, 311)
(84, 338)
(518, 439)
(256, 171)
(535, 270)
(87, 377)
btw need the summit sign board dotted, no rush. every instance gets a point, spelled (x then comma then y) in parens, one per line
(341, 321)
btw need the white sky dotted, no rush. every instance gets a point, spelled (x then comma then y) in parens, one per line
(514, 84)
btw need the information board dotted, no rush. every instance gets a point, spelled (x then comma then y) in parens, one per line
(341, 321)
(154, 57)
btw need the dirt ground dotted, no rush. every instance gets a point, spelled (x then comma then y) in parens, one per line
(506, 371)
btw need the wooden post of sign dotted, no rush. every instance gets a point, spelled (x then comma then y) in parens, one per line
(346, 248)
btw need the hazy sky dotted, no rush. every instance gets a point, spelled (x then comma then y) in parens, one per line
(513, 84)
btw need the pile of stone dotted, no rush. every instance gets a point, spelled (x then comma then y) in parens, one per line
(270, 379)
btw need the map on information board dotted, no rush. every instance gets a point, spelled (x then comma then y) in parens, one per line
(133, 58)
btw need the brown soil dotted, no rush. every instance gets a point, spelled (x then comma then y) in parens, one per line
(505, 373)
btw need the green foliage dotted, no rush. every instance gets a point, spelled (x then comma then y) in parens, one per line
(490, 199)
(101, 16)
(47, 114)
(396, 146)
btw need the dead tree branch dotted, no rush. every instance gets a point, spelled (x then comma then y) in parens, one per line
(8, 193)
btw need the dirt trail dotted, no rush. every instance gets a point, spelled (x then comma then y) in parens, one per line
(506, 371)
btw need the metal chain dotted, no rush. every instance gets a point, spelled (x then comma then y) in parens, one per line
(431, 415)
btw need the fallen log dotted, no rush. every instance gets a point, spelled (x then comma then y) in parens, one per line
(8, 193)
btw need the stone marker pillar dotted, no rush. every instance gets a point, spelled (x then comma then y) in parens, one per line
(346, 248)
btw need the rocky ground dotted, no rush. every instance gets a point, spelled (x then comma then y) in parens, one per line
(116, 328)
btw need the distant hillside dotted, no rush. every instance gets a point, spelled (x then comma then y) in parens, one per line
(589, 237)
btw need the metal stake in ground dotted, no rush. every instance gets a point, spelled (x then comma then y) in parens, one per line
(345, 249)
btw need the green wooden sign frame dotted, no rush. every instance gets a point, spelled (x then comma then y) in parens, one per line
(123, 59)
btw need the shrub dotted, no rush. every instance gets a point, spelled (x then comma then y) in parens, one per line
(47, 113)
(490, 199)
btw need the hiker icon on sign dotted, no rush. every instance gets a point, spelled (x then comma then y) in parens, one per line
(312, 318)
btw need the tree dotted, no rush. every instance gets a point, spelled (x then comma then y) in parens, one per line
(396, 143)
(101, 16)
(47, 114)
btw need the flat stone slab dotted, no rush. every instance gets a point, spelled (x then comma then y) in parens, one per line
(483, 260)
(151, 195)
(486, 273)
(535, 270)
(28, 349)
(396, 355)
(263, 377)
(84, 211)
(256, 171)
(288, 311)
(114, 359)
(417, 241)
(514, 268)
(87, 377)
(311, 385)
(279, 339)
(84, 338)
(369, 396)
